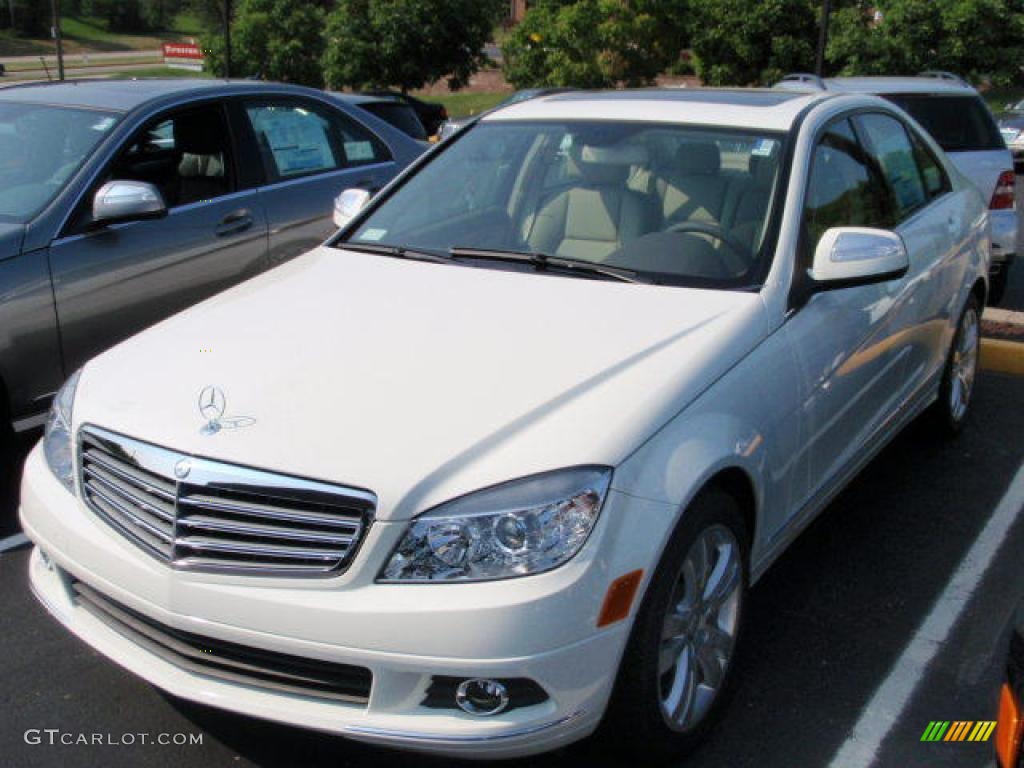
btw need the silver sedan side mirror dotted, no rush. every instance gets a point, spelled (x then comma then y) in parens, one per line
(848, 256)
(348, 204)
(126, 200)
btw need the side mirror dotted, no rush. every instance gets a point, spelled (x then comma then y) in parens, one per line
(348, 204)
(848, 256)
(118, 201)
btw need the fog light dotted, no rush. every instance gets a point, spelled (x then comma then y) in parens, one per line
(481, 697)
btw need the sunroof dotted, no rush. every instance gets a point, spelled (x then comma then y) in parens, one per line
(746, 98)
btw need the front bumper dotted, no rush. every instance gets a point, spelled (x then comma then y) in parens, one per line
(540, 627)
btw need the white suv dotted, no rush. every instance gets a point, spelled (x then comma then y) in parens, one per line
(500, 460)
(957, 118)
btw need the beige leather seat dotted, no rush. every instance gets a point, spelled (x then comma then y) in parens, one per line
(593, 218)
(746, 202)
(691, 187)
(201, 144)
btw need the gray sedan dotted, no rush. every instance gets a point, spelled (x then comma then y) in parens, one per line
(123, 202)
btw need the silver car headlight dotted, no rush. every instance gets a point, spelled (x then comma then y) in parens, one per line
(515, 529)
(57, 442)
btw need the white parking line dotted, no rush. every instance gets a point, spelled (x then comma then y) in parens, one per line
(894, 694)
(13, 542)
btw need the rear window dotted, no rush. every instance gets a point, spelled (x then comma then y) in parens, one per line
(957, 123)
(402, 116)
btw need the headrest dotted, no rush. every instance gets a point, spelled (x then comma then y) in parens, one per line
(196, 135)
(698, 158)
(608, 165)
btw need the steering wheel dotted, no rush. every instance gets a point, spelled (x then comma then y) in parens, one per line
(715, 231)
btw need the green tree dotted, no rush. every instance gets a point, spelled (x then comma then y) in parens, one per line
(274, 39)
(28, 18)
(595, 43)
(974, 38)
(738, 42)
(407, 43)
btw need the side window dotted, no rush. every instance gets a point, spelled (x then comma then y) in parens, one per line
(936, 182)
(845, 189)
(186, 155)
(298, 139)
(889, 143)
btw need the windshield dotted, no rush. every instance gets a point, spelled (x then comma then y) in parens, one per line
(675, 204)
(41, 146)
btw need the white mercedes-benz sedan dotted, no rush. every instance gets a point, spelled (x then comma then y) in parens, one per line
(499, 462)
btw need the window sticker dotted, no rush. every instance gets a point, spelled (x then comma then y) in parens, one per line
(359, 150)
(372, 234)
(764, 148)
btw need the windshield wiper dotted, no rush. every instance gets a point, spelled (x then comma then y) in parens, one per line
(398, 252)
(542, 261)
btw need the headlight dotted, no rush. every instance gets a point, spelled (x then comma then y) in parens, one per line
(518, 528)
(57, 443)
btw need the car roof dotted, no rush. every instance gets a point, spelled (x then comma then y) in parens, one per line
(359, 99)
(125, 95)
(762, 108)
(946, 84)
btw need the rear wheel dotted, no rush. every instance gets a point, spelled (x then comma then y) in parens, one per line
(677, 673)
(957, 387)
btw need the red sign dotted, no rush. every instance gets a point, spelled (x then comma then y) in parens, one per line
(182, 51)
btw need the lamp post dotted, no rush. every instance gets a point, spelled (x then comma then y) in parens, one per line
(819, 61)
(55, 8)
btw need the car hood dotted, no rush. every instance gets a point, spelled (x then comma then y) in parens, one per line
(420, 381)
(11, 237)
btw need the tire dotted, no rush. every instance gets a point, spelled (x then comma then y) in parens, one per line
(950, 413)
(997, 285)
(644, 715)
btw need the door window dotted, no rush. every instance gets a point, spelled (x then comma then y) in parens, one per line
(297, 139)
(936, 182)
(889, 143)
(846, 188)
(186, 156)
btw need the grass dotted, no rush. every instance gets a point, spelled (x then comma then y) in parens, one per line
(466, 104)
(83, 34)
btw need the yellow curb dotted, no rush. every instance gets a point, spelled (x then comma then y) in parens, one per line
(1002, 356)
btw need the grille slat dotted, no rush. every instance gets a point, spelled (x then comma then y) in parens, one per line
(216, 516)
(132, 517)
(230, 661)
(160, 509)
(141, 479)
(265, 511)
(238, 528)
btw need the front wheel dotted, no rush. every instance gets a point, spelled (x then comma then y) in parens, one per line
(961, 370)
(677, 671)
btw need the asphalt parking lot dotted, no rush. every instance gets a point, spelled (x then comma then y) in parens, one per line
(826, 651)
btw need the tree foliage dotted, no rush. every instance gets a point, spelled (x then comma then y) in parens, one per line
(737, 42)
(274, 39)
(407, 43)
(594, 43)
(974, 38)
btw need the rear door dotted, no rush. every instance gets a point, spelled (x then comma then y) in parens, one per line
(309, 153)
(112, 282)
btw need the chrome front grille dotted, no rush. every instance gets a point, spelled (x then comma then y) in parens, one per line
(207, 515)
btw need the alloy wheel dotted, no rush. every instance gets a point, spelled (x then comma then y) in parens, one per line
(964, 365)
(699, 630)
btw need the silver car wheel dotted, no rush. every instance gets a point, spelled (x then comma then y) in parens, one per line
(964, 365)
(699, 630)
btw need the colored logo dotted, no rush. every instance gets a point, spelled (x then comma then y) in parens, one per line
(958, 730)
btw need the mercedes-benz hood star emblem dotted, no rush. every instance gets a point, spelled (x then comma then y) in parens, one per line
(212, 403)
